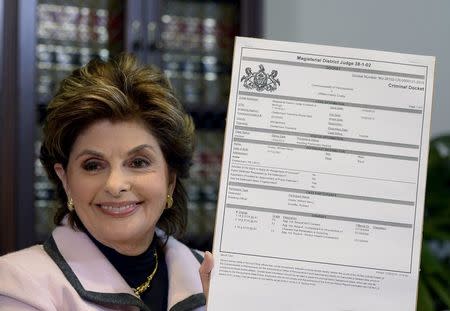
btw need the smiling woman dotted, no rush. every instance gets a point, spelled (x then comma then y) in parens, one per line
(119, 182)
(116, 144)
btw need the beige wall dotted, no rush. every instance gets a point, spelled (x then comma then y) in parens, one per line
(405, 26)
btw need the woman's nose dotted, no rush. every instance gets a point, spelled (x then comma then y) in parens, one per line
(117, 182)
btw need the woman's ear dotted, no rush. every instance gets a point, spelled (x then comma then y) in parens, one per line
(172, 182)
(59, 169)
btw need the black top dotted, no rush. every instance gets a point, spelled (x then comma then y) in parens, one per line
(136, 269)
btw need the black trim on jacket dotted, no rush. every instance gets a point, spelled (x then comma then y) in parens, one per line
(100, 298)
(190, 303)
(105, 299)
(197, 255)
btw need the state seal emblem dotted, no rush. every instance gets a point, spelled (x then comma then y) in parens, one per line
(260, 80)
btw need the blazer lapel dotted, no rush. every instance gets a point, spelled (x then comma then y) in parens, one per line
(185, 287)
(96, 280)
(88, 270)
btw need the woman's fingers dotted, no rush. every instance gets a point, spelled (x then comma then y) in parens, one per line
(205, 272)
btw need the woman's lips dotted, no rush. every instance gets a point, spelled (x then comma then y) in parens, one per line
(118, 209)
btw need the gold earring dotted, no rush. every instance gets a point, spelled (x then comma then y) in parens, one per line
(169, 201)
(70, 205)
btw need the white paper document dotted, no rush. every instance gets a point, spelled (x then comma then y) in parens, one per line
(323, 179)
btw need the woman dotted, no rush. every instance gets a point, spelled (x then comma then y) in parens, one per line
(116, 143)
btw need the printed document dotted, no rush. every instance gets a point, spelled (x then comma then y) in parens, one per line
(323, 179)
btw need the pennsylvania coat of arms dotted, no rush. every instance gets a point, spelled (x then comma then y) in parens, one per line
(260, 80)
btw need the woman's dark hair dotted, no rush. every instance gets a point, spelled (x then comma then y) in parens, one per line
(119, 90)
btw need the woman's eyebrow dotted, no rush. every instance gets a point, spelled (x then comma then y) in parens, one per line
(89, 152)
(100, 155)
(140, 147)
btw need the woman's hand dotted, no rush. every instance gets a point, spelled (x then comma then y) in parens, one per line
(205, 272)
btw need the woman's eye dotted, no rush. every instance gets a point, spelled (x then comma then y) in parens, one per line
(92, 166)
(139, 163)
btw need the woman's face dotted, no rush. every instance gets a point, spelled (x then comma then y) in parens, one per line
(119, 181)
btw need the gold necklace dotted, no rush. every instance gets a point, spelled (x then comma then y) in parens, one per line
(143, 287)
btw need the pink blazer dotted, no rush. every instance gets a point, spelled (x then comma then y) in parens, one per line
(68, 272)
